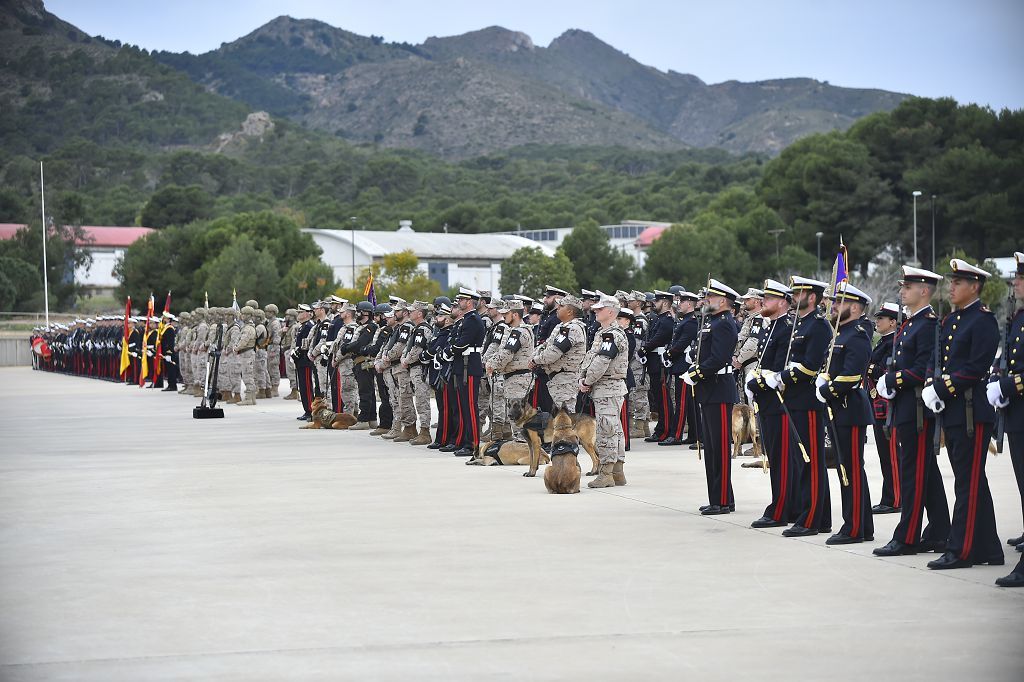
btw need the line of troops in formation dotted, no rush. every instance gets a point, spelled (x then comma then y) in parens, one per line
(681, 359)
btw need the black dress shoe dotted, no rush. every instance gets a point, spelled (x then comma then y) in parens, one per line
(799, 532)
(766, 522)
(949, 560)
(895, 548)
(842, 539)
(884, 509)
(671, 441)
(689, 441)
(714, 510)
(703, 507)
(1015, 579)
(448, 448)
(463, 452)
(693, 446)
(434, 446)
(305, 418)
(1015, 542)
(936, 546)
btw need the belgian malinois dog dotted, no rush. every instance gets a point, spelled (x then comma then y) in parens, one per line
(537, 427)
(509, 453)
(563, 476)
(325, 418)
(744, 430)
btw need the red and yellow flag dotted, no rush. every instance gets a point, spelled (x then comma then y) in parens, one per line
(158, 358)
(145, 335)
(126, 361)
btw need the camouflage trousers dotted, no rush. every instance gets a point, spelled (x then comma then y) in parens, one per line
(289, 370)
(639, 402)
(185, 367)
(262, 374)
(349, 388)
(273, 367)
(483, 412)
(421, 392)
(611, 441)
(496, 401)
(563, 388)
(224, 373)
(235, 372)
(199, 368)
(406, 412)
(247, 370)
(321, 376)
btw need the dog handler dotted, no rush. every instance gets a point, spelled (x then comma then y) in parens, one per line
(603, 378)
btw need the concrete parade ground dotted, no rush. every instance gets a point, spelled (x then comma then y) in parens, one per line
(137, 543)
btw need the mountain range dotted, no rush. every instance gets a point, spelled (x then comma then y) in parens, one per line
(488, 90)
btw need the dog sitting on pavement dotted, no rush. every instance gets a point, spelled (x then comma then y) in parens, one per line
(563, 476)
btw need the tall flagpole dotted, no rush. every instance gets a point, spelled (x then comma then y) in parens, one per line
(46, 285)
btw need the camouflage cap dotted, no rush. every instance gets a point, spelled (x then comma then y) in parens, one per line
(248, 310)
(291, 312)
(252, 303)
(502, 305)
(605, 302)
(270, 309)
(422, 306)
(514, 306)
(571, 301)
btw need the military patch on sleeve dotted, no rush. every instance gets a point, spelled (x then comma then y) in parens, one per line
(513, 343)
(561, 341)
(608, 348)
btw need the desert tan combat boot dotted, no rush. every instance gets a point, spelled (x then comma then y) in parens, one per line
(294, 395)
(250, 399)
(225, 396)
(618, 475)
(233, 398)
(273, 392)
(395, 432)
(407, 434)
(636, 429)
(379, 430)
(422, 438)
(604, 477)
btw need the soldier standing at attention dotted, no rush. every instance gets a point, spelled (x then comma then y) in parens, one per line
(603, 377)
(715, 393)
(639, 398)
(512, 360)
(358, 347)
(413, 360)
(245, 349)
(273, 350)
(492, 398)
(808, 348)
(902, 384)
(560, 356)
(773, 423)
(683, 336)
(841, 388)
(885, 437)
(290, 327)
(303, 365)
(1005, 392)
(966, 350)
(431, 356)
(659, 336)
(342, 361)
(465, 353)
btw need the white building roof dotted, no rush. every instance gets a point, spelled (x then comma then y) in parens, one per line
(432, 245)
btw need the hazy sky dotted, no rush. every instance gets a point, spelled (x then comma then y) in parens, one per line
(968, 49)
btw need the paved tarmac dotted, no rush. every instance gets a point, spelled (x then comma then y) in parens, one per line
(139, 544)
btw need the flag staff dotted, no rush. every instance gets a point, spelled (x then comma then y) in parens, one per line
(46, 285)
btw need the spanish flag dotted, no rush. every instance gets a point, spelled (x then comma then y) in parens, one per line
(145, 335)
(368, 290)
(126, 361)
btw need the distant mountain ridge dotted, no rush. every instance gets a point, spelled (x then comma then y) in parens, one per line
(493, 88)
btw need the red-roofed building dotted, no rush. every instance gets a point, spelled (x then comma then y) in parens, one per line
(106, 244)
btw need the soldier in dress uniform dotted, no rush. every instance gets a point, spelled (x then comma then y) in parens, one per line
(639, 398)
(966, 349)
(921, 488)
(444, 433)
(561, 355)
(1005, 392)
(772, 422)
(303, 365)
(465, 354)
(603, 377)
(358, 350)
(659, 336)
(676, 363)
(885, 435)
(840, 387)
(715, 393)
(169, 352)
(808, 345)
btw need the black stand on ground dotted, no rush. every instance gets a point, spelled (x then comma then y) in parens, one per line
(208, 409)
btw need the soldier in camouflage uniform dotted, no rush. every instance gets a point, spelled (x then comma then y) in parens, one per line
(401, 386)
(198, 350)
(262, 341)
(273, 350)
(185, 353)
(244, 349)
(512, 359)
(290, 327)
(496, 405)
(489, 314)
(603, 377)
(745, 356)
(639, 395)
(343, 360)
(561, 355)
(412, 360)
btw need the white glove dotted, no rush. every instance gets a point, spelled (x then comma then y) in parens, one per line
(932, 400)
(772, 380)
(688, 355)
(821, 380)
(883, 388)
(688, 378)
(819, 395)
(995, 395)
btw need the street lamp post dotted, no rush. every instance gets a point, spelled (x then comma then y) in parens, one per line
(353, 242)
(819, 235)
(917, 193)
(776, 233)
(933, 233)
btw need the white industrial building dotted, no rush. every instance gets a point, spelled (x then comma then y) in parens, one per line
(472, 260)
(632, 237)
